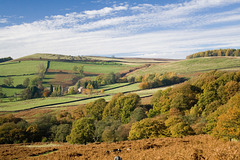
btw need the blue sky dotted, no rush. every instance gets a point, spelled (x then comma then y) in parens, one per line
(123, 28)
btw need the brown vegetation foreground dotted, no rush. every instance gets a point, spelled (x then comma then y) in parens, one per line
(188, 148)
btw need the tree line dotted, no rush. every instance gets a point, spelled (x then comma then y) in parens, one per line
(149, 81)
(5, 59)
(219, 52)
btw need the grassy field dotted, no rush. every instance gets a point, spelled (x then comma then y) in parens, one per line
(128, 88)
(16, 68)
(18, 72)
(110, 86)
(11, 91)
(27, 104)
(192, 65)
(149, 92)
(29, 67)
(16, 79)
(92, 68)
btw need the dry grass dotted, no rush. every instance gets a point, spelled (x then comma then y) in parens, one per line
(188, 148)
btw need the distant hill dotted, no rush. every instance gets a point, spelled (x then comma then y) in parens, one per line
(53, 57)
(218, 52)
(69, 58)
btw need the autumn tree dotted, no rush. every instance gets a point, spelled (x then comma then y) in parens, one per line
(95, 109)
(82, 131)
(111, 109)
(177, 126)
(228, 123)
(148, 128)
(127, 104)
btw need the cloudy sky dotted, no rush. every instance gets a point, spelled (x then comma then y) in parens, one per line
(121, 28)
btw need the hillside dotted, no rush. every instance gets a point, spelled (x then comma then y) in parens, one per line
(153, 110)
(192, 148)
(191, 66)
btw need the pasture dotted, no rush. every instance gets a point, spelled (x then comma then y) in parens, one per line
(190, 66)
(20, 69)
(89, 67)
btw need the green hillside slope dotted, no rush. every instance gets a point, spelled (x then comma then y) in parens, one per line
(192, 65)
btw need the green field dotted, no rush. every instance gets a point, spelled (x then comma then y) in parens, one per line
(11, 91)
(110, 86)
(16, 68)
(28, 104)
(18, 72)
(16, 79)
(128, 88)
(192, 65)
(92, 68)
(149, 92)
(27, 69)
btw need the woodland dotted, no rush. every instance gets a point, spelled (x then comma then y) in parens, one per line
(205, 104)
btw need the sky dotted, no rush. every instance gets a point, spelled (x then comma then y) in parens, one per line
(120, 28)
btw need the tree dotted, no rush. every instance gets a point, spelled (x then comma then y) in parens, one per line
(111, 109)
(51, 89)
(75, 68)
(33, 133)
(44, 123)
(96, 108)
(178, 127)
(26, 82)
(127, 104)
(138, 114)
(148, 128)
(122, 132)
(108, 123)
(11, 133)
(2, 95)
(236, 53)
(71, 90)
(60, 132)
(228, 125)
(79, 69)
(41, 70)
(228, 122)
(82, 131)
(108, 135)
(110, 78)
(46, 93)
(8, 82)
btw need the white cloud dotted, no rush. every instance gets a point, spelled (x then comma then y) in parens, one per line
(170, 31)
(104, 11)
(3, 20)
